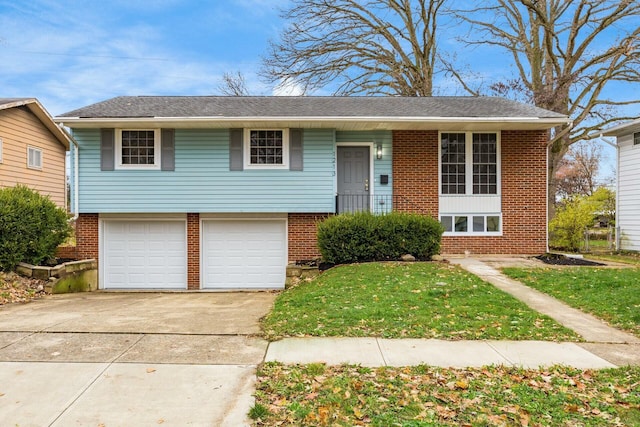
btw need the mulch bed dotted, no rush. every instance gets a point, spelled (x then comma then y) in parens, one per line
(559, 259)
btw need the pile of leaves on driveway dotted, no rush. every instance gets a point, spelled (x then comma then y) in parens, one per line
(15, 288)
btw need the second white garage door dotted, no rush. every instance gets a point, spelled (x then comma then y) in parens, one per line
(244, 254)
(144, 254)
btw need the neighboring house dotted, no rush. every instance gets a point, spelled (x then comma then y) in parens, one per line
(223, 192)
(628, 191)
(32, 148)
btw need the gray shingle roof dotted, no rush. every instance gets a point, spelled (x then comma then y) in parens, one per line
(307, 106)
(12, 100)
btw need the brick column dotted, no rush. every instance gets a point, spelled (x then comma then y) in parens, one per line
(193, 251)
(303, 236)
(87, 236)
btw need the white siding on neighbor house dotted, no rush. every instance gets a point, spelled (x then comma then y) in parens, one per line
(202, 181)
(629, 194)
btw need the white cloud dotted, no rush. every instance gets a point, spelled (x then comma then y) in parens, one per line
(288, 87)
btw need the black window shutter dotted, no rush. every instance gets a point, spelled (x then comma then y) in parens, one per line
(107, 149)
(295, 150)
(236, 162)
(168, 144)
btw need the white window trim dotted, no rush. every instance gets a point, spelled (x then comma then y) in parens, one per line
(468, 139)
(633, 138)
(247, 150)
(31, 148)
(470, 231)
(156, 151)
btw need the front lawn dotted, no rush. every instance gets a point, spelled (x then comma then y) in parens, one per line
(609, 293)
(421, 396)
(396, 300)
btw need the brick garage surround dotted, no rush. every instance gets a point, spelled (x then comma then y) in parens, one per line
(193, 251)
(87, 236)
(302, 235)
(524, 209)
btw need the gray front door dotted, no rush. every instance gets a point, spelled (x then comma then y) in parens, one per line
(353, 179)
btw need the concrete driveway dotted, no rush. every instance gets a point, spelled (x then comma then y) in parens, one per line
(121, 359)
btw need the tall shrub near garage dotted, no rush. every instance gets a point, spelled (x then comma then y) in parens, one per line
(31, 227)
(363, 236)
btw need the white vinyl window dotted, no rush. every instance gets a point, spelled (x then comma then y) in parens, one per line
(469, 163)
(636, 138)
(471, 224)
(266, 148)
(138, 149)
(34, 158)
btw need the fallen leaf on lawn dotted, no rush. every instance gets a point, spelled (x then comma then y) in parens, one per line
(358, 413)
(462, 385)
(150, 370)
(571, 408)
(281, 402)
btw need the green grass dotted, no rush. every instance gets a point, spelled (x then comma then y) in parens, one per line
(317, 395)
(395, 300)
(623, 257)
(609, 293)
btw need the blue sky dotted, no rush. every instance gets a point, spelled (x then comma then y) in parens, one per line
(72, 53)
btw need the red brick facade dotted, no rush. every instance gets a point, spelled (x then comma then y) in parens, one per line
(193, 251)
(524, 209)
(303, 240)
(87, 236)
(415, 171)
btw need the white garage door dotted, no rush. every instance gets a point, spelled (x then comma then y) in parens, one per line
(144, 255)
(243, 254)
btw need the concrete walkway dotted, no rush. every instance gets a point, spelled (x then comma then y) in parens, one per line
(589, 327)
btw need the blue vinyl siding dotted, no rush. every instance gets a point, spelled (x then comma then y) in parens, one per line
(202, 181)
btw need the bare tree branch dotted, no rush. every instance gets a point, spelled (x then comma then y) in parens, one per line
(362, 46)
(565, 59)
(233, 84)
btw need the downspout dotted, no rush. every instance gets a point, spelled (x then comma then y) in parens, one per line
(76, 199)
(617, 147)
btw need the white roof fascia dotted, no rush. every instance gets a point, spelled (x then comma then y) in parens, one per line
(621, 128)
(320, 119)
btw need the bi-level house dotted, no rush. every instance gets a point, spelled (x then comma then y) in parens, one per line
(222, 192)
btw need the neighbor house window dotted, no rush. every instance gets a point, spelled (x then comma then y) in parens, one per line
(138, 148)
(469, 163)
(636, 138)
(266, 148)
(0, 150)
(471, 224)
(34, 158)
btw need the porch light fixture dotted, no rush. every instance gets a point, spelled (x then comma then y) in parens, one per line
(379, 152)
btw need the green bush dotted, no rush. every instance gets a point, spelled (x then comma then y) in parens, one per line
(566, 229)
(31, 227)
(362, 236)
